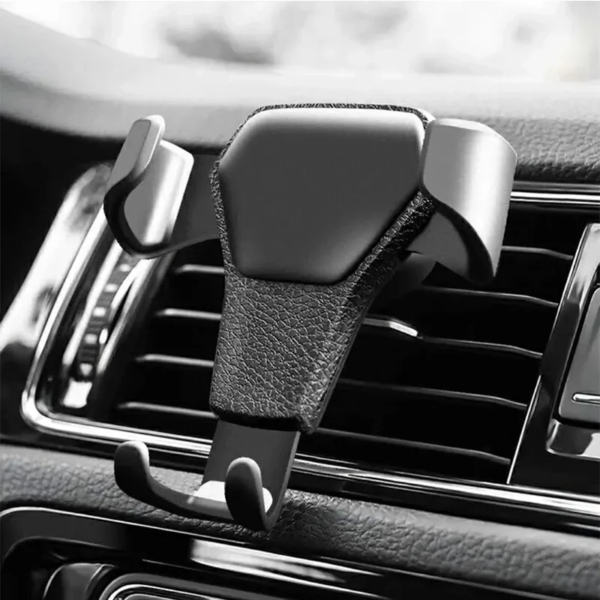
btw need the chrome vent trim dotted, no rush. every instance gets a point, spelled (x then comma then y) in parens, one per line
(43, 420)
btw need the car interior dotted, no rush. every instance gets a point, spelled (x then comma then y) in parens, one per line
(282, 335)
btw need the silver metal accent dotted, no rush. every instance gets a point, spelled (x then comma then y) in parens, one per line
(560, 443)
(152, 198)
(393, 324)
(548, 194)
(280, 567)
(182, 313)
(162, 187)
(398, 326)
(96, 290)
(127, 591)
(74, 229)
(528, 415)
(141, 278)
(375, 321)
(469, 169)
(76, 394)
(587, 398)
(543, 500)
(566, 190)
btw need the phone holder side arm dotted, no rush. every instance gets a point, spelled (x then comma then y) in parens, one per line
(317, 207)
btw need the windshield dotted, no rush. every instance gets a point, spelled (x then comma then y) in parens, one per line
(544, 40)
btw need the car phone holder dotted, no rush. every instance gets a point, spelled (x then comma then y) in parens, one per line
(317, 207)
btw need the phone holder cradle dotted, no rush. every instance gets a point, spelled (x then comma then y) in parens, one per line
(318, 207)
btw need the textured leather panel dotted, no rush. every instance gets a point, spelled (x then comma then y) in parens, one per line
(550, 563)
(553, 150)
(282, 346)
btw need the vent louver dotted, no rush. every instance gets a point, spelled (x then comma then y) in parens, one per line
(450, 402)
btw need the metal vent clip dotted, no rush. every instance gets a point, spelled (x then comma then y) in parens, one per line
(317, 207)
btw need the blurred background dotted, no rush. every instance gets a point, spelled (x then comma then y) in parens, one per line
(544, 40)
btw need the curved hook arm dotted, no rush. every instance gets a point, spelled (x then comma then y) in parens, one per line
(245, 497)
(468, 168)
(132, 474)
(233, 486)
(157, 199)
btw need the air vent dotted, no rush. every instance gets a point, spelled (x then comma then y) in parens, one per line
(450, 401)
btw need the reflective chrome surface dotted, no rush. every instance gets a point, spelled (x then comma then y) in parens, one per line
(75, 395)
(390, 323)
(557, 194)
(547, 446)
(28, 313)
(561, 192)
(572, 441)
(391, 486)
(77, 237)
(587, 398)
(151, 208)
(135, 591)
(469, 169)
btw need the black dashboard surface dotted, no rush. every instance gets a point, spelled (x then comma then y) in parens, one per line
(312, 525)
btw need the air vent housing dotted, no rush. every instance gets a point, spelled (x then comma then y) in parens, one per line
(450, 401)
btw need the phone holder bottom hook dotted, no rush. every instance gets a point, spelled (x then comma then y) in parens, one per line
(244, 481)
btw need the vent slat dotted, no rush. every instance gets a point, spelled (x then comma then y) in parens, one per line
(395, 443)
(515, 274)
(379, 322)
(180, 313)
(443, 419)
(427, 392)
(179, 361)
(546, 252)
(376, 453)
(466, 315)
(170, 419)
(194, 288)
(170, 380)
(396, 453)
(488, 347)
(162, 411)
(199, 270)
(384, 357)
(159, 409)
(137, 410)
(487, 297)
(393, 328)
(188, 338)
(555, 228)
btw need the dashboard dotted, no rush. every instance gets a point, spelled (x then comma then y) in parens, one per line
(475, 471)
